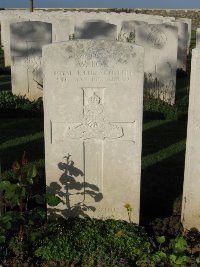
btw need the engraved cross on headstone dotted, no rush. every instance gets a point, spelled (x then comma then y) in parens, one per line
(92, 132)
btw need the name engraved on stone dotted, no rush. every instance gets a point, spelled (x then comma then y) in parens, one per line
(103, 212)
(156, 37)
(30, 63)
(101, 209)
(94, 75)
(33, 63)
(94, 124)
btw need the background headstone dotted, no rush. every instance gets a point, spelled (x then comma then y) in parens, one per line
(27, 40)
(5, 27)
(189, 23)
(161, 43)
(191, 196)
(93, 94)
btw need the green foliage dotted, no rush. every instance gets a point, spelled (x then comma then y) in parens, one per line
(179, 244)
(10, 102)
(52, 200)
(179, 255)
(160, 239)
(91, 242)
(198, 259)
(17, 194)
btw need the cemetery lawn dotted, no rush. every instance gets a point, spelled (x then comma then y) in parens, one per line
(18, 135)
(163, 157)
(1, 58)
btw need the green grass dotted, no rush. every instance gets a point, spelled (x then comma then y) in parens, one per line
(193, 39)
(163, 156)
(1, 58)
(18, 135)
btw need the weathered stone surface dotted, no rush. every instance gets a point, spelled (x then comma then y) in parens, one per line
(14, 16)
(189, 23)
(161, 44)
(191, 196)
(93, 91)
(27, 40)
(96, 30)
(128, 30)
(5, 28)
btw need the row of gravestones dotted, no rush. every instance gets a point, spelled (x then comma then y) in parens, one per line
(93, 93)
(165, 41)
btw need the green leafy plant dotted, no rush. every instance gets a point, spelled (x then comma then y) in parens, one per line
(22, 206)
(161, 240)
(91, 242)
(10, 102)
(179, 255)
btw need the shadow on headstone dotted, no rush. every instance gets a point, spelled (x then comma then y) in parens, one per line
(28, 38)
(69, 187)
(96, 30)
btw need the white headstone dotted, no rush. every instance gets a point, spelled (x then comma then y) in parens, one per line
(93, 94)
(191, 196)
(161, 44)
(189, 22)
(5, 27)
(27, 40)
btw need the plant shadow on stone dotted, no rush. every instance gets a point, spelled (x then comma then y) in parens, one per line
(69, 187)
